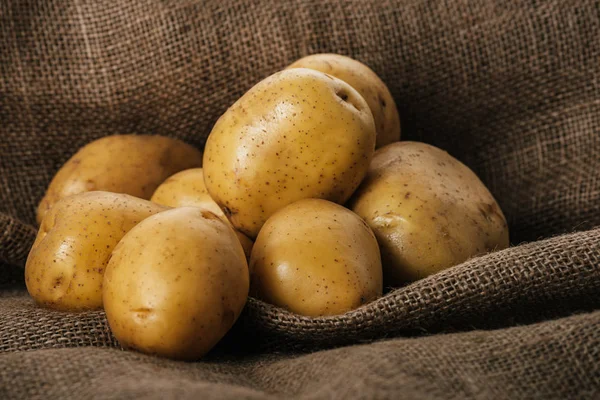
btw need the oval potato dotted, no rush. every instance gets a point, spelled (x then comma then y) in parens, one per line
(130, 164)
(297, 134)
(176, 284)
(316, 258)
(66, 264)
(428, 210)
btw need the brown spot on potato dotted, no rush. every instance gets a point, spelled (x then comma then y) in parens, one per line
(488, 211)
(58, 281)
(382, 102)
(209, 215)
(342, 95)
(90, 185)
(142, 312)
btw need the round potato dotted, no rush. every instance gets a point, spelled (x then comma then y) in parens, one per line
(428, 210)
(367, 83)
(65, 266)
(187, 189)
(316, 258)
(176, 284)
(297, 134)
(130, 164)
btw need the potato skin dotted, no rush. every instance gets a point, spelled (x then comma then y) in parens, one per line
(316, 258)
(187, 189)
(184, 189)
(65, 266)
(428, 210)
(176, 284)
(130, 164)
(367, 83)
(297, 134)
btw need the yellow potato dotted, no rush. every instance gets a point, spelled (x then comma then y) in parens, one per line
(367, 83)
(187, 189)
(67, 261)
(297, 134)
(176, 283)
(130, 164)
(428, 210)
(316, 258)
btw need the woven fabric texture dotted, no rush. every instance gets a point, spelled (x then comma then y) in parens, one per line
(512, 89)
(523, 284)
(551, 360)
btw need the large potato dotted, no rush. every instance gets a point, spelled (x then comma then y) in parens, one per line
(130, 164)
(367, 83)
(428, 210)
(176, 283)
(316, 258)
(187, 189)
(69, 256)
(297, 134)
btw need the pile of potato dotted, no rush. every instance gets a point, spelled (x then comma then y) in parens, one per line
(158, 233)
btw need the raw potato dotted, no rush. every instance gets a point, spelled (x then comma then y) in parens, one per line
(367, 83)
(69, 256)
(176, 283)
(428, 210)
(186, 188)
(316, 258)
(130, 164)
(297, 134)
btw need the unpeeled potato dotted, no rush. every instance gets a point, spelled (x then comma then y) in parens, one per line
(316, 258)
(66, 264)
(176, 283)
(130, 164)
(297, 134)
(187, 189)
(428, 210)
(367, 83)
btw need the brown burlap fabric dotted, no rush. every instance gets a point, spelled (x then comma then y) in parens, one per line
(510, 88)
(516, 363)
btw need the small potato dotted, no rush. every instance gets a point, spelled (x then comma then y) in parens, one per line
(316, 258)
(428, 210)
(297, 134)
(130, 164)
(187, 189)
(69, 256)
(367, 83)
(176, 284)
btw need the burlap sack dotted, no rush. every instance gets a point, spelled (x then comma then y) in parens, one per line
(510, 88)
(552, 360)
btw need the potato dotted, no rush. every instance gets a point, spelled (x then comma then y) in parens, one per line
(176, 283)
(428, 210)
(65, 266)
(316, 258)
(367, 83)
(297, 134)
(130, 164)
(186, 188)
